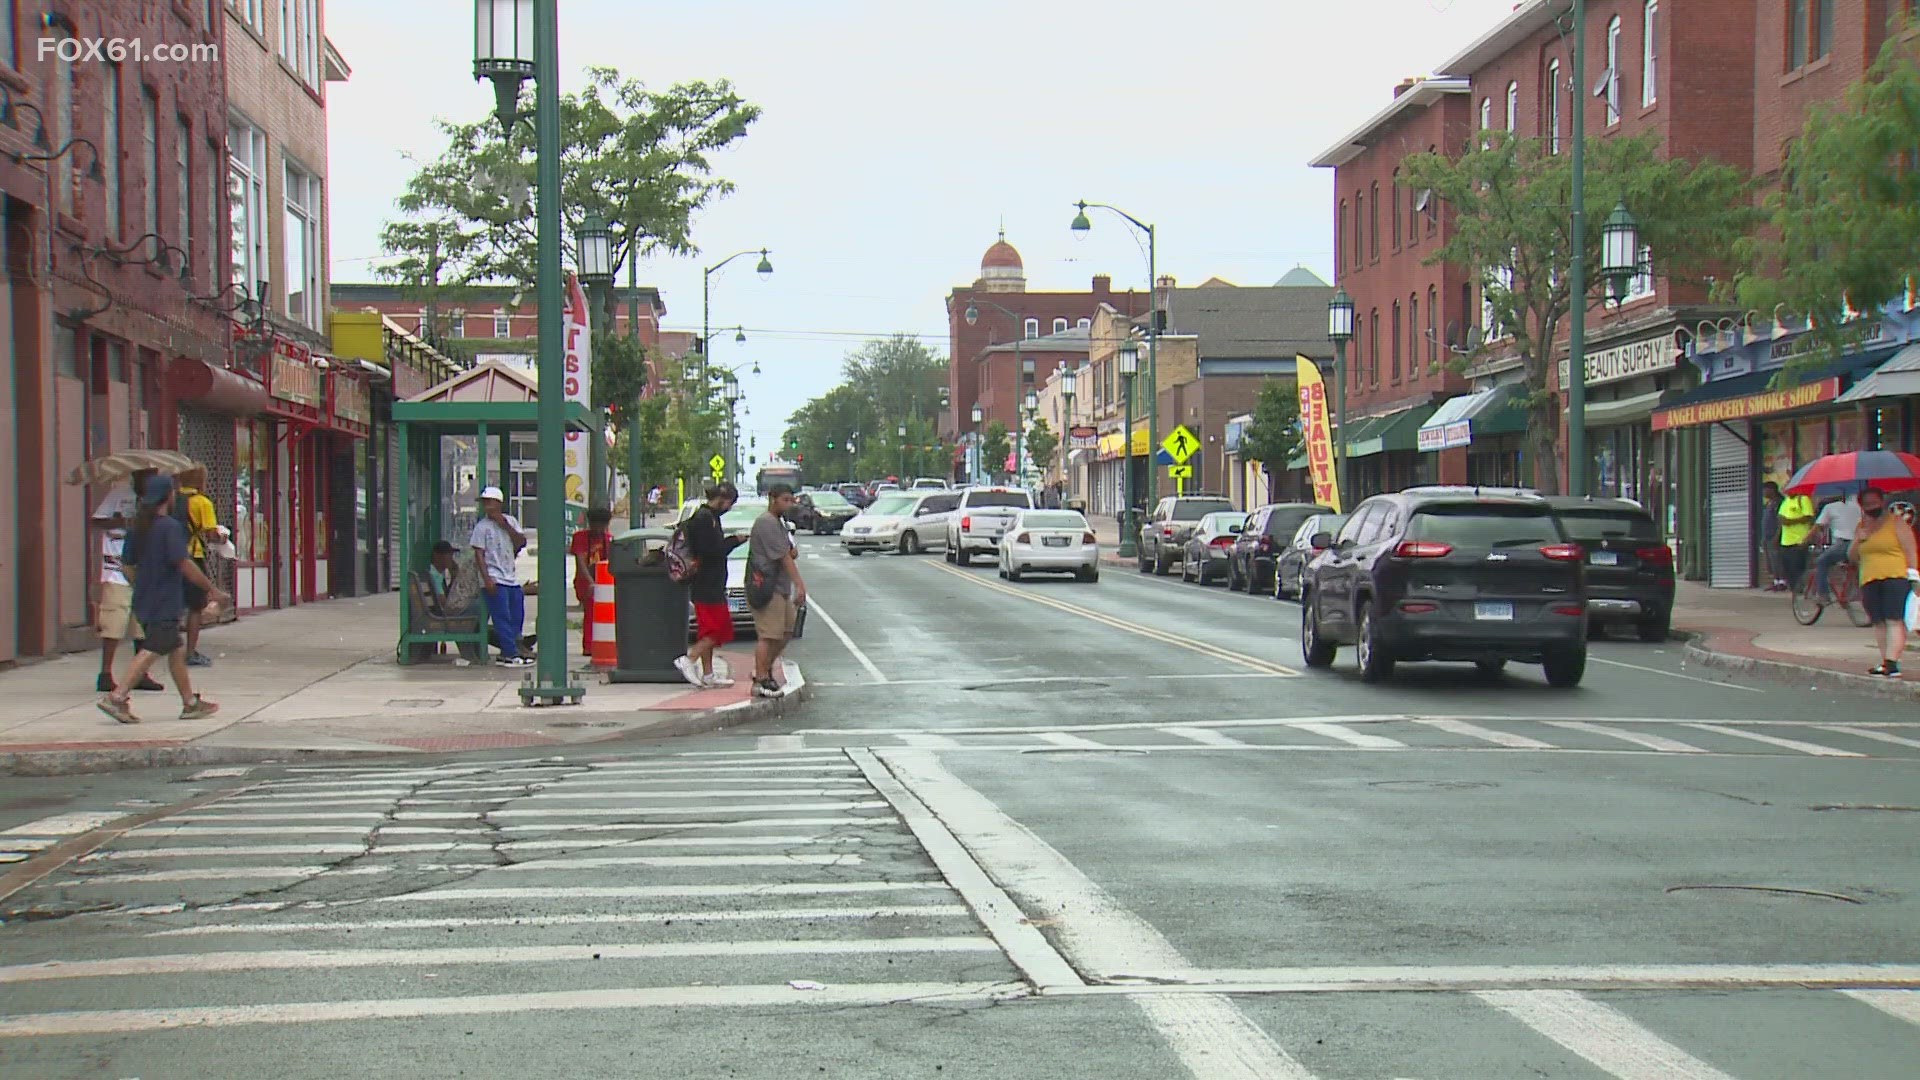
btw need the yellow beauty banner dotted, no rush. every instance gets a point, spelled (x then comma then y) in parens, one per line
(1319, 436)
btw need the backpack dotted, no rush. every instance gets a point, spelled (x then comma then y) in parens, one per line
(682, 563)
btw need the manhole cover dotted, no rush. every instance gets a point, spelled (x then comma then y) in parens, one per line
(1430, 785)
(415, 702)
(1776, 891)
(1038, 686)
(1122, 751)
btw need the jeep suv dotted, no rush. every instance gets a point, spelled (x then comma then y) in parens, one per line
(1449, 574)
(1163, 535)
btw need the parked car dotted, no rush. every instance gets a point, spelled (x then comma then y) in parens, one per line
(929, 483)
(1629, 568)
(1250, 564)
(1050, 541)
(905, 521)
(1290, 568)
(1163, 535)
(1209, 546)
(823, 512)
(1449, 575)
(855, 494)
(737, 598)
(981, 518)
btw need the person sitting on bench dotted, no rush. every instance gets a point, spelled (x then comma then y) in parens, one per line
(456, 590)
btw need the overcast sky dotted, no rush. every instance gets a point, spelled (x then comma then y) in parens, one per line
(898, 134)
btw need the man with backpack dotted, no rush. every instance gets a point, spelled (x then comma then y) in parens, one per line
(156, 549)
(703, 541)
(194, 510)
(774, 588)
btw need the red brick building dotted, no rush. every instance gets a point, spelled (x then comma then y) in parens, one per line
(496, 312)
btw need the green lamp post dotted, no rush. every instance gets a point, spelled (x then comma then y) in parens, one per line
(1081, 225)
(1340, 331)
(1128, 359)
(593, 261)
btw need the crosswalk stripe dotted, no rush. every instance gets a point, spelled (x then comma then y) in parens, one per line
(576, 918)
(1484, 734)
(569, 844)
(1868, 733)
(928, 740)
(241, 873)
(631, 892)
(1601, 1034)
(1203, 736)
(1638, 738)
(719, 770)
(662, 811)
(335, 959)
(226, 873)
(1347, 735)
(72, 824)
(1774, 740)
(1904, 1004)
(1061, 738)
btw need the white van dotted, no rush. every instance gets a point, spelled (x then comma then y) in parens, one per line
(908, 522)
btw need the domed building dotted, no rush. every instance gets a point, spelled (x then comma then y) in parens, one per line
(1001, 269)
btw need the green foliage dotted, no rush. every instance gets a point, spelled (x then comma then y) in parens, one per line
(1042, 443)
(1511, 202)
(641, 159)
(887, 383)
(994, 448)
(840, 416)
(1274, 437)
(620, 375)
(677, 434)
(1844, 224)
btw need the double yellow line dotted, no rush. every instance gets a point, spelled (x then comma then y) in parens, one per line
(1242, 659)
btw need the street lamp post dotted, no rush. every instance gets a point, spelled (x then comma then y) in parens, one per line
(1577, 267)
(1081, 224)
(513, 41)
(1129, 361)
(1019, 342)
(904, 481)
(1063, 446)
(979, 457)
(1340, 331)
(706, 300)
(593, 261)
(1029, 408)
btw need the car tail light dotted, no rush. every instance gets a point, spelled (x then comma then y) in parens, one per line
(1221, 541)
(966, 523)
(1568, 609)
(1418, 607)
(1023, 538)
(1661, 555)
(1089, 538)
(1422, 549)
(1564, 552)
(1166, 531)
(1265, 543)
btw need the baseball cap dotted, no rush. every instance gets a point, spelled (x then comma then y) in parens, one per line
(492, 492)
(157, 490)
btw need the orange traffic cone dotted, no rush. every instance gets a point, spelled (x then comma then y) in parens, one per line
(605, 653)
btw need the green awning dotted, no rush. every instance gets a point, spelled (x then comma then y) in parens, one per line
(1394, 431)
(1625, 410)
(1505, 414)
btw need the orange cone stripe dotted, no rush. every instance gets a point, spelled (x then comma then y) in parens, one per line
(606, 653)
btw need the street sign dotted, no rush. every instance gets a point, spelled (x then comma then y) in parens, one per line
(1180, 472)
(1180, 445)
(719, 466)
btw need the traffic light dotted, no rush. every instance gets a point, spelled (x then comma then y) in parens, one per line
(829, 444)
(798, 458)
(793, 444)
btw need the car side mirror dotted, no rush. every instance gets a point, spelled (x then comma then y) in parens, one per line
(1236, 529)
(1321, 541)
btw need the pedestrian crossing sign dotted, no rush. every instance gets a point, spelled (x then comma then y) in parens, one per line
(1180, 445)
(1180, 472)
(718, 464)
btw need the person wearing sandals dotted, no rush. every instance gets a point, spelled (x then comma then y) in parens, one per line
(1883, 548)
(156, 547)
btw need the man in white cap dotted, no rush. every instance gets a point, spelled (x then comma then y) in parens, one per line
(497, 539)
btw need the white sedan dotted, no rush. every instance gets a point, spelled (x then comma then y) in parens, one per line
(1049, 541)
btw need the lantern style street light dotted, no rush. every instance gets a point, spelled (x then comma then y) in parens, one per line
(1069, 382)
(1340, 331)
(1620, 250)
(593, 261)
(503, 51)
(1128, 358)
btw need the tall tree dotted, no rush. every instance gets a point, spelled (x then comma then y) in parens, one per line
(1512, 228)
(641, 159)
(1274, 437)
(1041, 444)
(900, 375)
(994, 448)
(1843, 230)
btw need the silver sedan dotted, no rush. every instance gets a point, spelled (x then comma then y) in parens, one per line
(1049, 541)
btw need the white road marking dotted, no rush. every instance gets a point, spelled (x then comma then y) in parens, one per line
(575, 843)
(1774, 740)
(1591, 659)
(781, 742)
(216, 774)
(1904, 1004)
(1024, 944)
(1485, 734)
(576, 918)
(798, 757)
(335, 959)
(1057, 678)
(697, 793)
(928, 740)
(1347, 735)
(813, 605)
(1203, 736)
(72, 824)
(1061, 738)
(1463, 977)
(663, 811)
(631, 892)
(721, 770)
(122, 1021)
(1651, 742)
(1868, 733)
(1102, 938)
(1601, 1034)
(229, 873)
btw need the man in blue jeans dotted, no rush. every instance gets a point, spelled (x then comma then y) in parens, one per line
(497, 540)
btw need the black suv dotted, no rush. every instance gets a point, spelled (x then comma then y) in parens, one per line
(1629, 568)
(1449, 574)
(1163, 535)
(1269, 528)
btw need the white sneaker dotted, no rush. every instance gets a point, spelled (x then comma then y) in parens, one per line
(684, 665)
(717, 682)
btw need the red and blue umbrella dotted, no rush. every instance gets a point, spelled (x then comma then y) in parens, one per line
(1845, 474)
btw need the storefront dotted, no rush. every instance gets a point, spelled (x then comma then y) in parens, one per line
(1107, 471)
(1625, 383)
(1478, 438)
(1383, 454)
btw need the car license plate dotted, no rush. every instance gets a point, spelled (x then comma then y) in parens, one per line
(1054, 541)
(1605, 558)
(1502, 612)
(736, 603)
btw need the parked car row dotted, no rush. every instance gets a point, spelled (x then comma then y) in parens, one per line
(965, 523)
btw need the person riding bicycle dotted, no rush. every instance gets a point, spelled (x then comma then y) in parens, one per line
(1839, 521)
(1796, 528)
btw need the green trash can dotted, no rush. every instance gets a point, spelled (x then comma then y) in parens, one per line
(650, 609)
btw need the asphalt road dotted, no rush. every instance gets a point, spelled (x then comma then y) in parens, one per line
(1041, 830)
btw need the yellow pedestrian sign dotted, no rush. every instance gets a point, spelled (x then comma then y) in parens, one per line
(1180, 445)
(1180, 472)
(719, 466)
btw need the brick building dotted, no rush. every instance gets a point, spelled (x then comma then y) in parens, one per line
(489, 312)
(115, 236)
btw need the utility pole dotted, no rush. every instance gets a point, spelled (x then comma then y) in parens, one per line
(1577, 268)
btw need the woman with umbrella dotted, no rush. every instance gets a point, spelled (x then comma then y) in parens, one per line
(1883, 545)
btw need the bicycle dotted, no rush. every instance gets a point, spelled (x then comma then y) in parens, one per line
(1844, 581)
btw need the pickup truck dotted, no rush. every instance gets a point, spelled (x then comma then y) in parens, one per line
(975, 526)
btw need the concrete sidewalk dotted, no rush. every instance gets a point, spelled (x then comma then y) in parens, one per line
(321, 679)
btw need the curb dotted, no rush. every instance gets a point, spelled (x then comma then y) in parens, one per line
(113, 759)
(1699, 650)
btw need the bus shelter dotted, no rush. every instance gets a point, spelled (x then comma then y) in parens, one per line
(455, 439)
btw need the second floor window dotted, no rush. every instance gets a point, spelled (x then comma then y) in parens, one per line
(1373, 222)
(183, 186)
(1555, 94)
(150, 160)
(1032, 329)
(1059, 326)
(1393, 355)
(301, 243)
(1613, 70)
(1373, 344)
(1413, 336)
(1513, 108)
(1433, 339)
(247, 202)
(1649, 53)
(110, 148)
(502, 326)
(1640, 285)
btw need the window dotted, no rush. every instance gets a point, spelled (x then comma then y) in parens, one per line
(62, 97)
(1796, 34)
(1059, 326)
(1031, 329)
(1373, 223)
(252, 12)
(1501, 278)
(1513, 107)
(9, 48)
(150, 160)
(502, 326)
(1486, 114)
(1649, 53)
(1555, 93)
(247, 202)
(1413, 336)
(1084, 324)
(1413, 216)
(1342, 229)
(1433, 340)
(301, 245)
(1822, 28)
(183, 187)
(1353, 369)
(1373, 345)
(1640, 285)
(110, 147)
(1394, 354)
(300, 39)
(1395, 212)
(1359, 241)
(1613, 70)
(216, 189)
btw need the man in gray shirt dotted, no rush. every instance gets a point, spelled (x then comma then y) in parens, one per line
(773, 573)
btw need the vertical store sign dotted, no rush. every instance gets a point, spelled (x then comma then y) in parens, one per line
(579, 382)
(1319, 436)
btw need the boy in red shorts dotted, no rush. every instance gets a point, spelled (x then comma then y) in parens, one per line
(713, 623)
